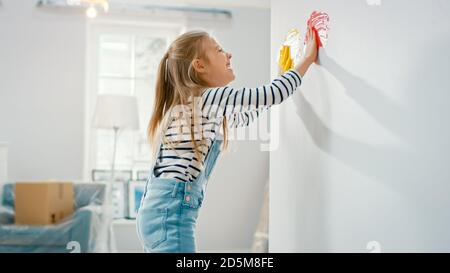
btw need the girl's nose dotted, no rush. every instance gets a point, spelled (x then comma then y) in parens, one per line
(229, 55)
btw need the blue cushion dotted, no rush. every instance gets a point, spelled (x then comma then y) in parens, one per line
(8, 195)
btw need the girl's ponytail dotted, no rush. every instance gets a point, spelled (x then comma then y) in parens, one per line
(176, 84)
(164, 96)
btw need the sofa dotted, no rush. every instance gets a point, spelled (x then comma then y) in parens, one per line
(86, 230)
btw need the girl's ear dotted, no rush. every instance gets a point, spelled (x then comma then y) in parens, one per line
(198, 65)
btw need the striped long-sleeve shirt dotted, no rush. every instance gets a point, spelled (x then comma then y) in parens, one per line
(240, 107)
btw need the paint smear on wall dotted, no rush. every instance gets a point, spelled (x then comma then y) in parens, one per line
(318, 21)
(290, 53)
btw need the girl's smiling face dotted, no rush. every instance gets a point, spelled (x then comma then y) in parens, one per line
(216, 70)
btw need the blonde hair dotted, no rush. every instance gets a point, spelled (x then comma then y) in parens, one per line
(176, 83)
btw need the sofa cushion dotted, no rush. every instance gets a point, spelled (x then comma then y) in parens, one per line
(8, 195)
(89, 194)
(51, 235)
(6, 216)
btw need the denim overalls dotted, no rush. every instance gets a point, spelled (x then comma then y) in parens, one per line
(169, 209)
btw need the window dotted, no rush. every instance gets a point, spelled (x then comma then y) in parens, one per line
(123, 60)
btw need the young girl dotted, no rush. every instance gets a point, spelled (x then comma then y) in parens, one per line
(192, 104)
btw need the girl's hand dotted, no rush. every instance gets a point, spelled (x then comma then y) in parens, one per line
(311, 46)
(310, 53)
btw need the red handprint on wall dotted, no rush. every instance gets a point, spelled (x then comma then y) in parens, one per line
(318, 21)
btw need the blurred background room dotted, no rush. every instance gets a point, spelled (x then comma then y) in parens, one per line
(76, 94)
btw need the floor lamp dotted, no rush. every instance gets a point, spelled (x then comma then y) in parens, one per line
(117, 113)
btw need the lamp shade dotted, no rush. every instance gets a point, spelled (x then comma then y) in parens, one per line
(116, 111)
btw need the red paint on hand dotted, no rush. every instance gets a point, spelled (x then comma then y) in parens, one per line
(318, 21)
(318, 41)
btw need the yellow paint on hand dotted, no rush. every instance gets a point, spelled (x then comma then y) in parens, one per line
(285, 60)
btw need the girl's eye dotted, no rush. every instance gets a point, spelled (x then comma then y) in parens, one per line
(220, 50)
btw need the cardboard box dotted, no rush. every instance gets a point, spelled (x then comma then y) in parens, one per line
(43, 203)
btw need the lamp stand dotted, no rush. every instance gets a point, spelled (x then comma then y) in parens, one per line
(113, 166)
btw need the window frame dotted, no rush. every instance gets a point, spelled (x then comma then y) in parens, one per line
(95, 28)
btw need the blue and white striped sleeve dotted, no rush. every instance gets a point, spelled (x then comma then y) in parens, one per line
(226, 101)
(244, 118)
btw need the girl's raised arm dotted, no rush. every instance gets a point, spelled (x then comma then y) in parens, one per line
(226, 101)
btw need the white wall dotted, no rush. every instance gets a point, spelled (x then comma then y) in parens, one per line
(42, 85)
(41, 91)
(363, 152)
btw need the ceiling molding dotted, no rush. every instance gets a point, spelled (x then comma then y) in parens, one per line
(143, 6)
(264, 4)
